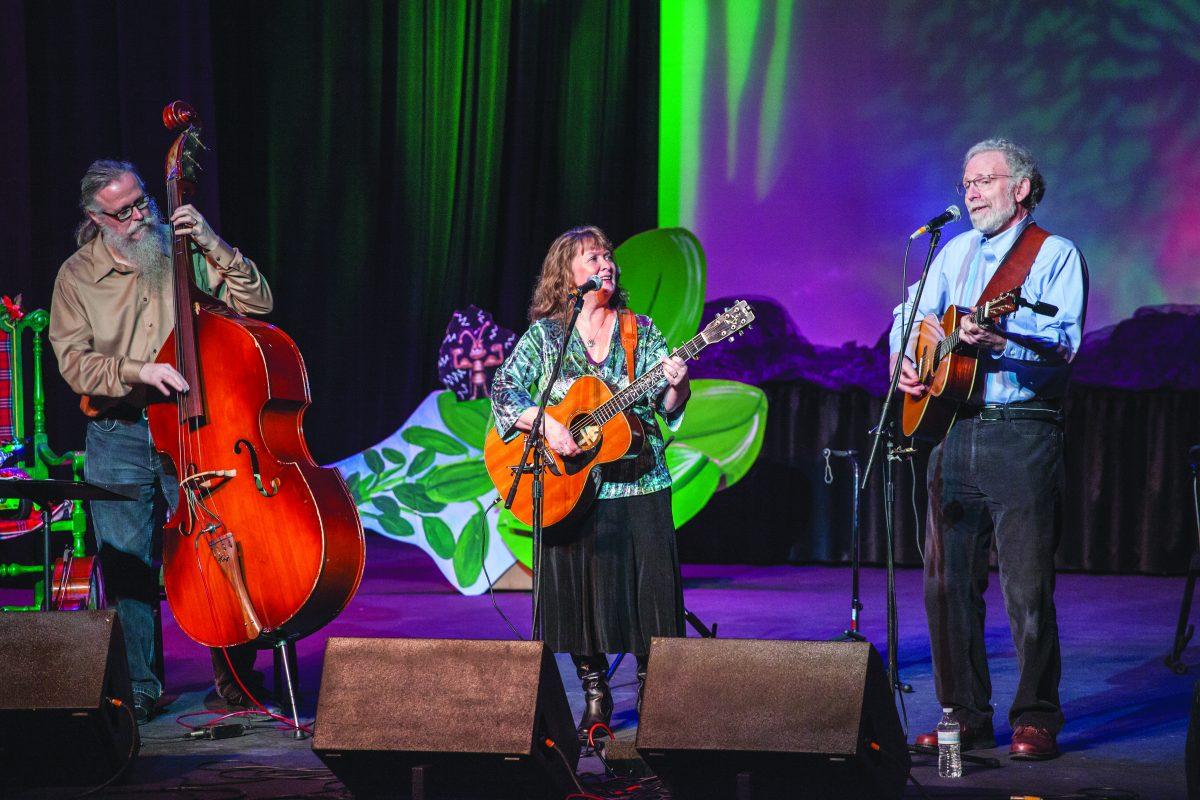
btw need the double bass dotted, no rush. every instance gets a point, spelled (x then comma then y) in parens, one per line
(265, 545)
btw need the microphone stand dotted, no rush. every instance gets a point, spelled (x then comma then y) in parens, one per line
(895, 453)
(852, 633)
(535, 443)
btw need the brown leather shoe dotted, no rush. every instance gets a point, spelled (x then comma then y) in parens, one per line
(1030, 743)
(970, 738)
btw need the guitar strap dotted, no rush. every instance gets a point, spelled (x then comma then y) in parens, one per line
(1015, 268)
(629, 340)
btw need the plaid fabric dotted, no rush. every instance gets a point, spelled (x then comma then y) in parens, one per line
(6, 399)
(11, 528)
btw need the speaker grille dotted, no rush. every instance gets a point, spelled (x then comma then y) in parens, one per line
(429, 695)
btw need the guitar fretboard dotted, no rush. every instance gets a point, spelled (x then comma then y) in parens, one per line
(950, 342)
(642, 386)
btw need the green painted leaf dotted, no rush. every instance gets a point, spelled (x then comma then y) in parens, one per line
(397, 526)
(468, 553)
(694, 479)
(466, 419)
(517, 537)
(414, 496)
(435, 440)
(664, 272)
(374, 461)
(439, 536)
(352, 485)
(394, 456)
(725, 421)
(454, 483)
(421, 462)
(387, 505)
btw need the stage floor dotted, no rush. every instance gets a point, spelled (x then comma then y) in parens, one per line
(1126, 712)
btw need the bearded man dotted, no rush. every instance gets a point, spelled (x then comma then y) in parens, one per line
(111, 313)
(999, 472)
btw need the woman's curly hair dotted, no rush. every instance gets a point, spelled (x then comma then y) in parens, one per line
(551, 296)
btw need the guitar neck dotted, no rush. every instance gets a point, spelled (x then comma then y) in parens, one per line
(646, 382)
(978, 316)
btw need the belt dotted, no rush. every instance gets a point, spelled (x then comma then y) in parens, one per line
(1045, 410)
(123, 413)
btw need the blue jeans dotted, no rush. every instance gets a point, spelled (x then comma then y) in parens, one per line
(122, 452)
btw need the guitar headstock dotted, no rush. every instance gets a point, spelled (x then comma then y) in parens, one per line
(727, 323)
(1002, 305)
(183, 159)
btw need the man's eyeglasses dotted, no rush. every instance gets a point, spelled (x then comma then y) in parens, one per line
(127, 212)
(983, 181)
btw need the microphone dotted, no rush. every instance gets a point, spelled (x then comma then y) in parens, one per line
(951, 214)
(1038, 307)
(590, 285)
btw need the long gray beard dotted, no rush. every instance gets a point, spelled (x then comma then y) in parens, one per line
(150, 255)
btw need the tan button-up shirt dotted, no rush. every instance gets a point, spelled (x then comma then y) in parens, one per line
(105, 325)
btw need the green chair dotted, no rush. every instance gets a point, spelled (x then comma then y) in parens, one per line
(28, 454)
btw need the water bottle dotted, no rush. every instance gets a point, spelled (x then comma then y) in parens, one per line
(949, 746)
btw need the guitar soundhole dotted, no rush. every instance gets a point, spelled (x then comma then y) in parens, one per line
(586, 432)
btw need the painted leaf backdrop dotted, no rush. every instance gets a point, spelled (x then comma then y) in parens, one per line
(725, 420)
(663, 270)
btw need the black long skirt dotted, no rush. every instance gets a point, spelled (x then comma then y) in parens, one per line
(611, 578)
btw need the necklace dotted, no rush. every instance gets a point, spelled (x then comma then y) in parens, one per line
(591, 342)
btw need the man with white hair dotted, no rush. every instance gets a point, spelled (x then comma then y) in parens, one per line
(999, 472)
(110, 315)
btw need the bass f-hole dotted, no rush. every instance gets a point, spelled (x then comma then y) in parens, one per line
(254, 470)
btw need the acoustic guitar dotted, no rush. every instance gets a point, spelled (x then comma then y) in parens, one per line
(600, 425)
(948, 366)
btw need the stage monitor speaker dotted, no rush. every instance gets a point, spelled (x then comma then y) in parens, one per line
(729, 718)
(434, 718)
(59, 672)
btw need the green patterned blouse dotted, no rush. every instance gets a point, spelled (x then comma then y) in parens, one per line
(518, 384)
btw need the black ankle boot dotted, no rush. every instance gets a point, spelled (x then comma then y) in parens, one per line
(597, 703)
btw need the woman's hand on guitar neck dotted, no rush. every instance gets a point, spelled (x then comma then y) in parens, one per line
(557, 436)
(910, 382)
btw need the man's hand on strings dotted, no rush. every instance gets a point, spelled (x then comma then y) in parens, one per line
(163, 377)
(910, 382)
(188, 221)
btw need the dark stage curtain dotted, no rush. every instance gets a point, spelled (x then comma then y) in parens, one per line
(383, 162)
(1129, 492)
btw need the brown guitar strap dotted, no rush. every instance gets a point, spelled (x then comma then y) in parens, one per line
(629, 340)
(1015, 269)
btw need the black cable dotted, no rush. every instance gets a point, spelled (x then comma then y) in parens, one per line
(566, 764)
(912, 465)
(492, 595)
(133, 746)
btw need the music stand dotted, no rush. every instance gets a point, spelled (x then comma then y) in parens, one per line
(47, 493)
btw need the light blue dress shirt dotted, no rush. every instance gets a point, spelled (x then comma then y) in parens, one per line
(1036, 360)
